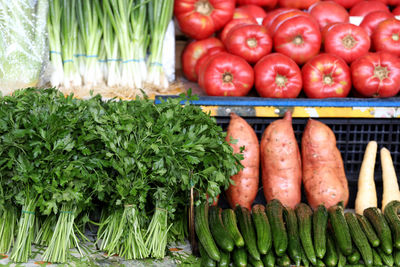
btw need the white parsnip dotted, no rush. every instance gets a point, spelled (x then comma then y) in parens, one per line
(390, 185)
(366, 194)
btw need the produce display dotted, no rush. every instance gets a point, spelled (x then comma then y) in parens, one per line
(310, 33)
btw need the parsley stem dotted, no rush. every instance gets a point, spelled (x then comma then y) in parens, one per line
(7, 229)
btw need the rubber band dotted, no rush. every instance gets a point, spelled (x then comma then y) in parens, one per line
(156, 64)
(113, 59)
(55, 52)
(68, 60)
(92, 56)
(133, 60)
(67, 212)
(79, 55)
(102, 60)
(161, 209)
(28, 212)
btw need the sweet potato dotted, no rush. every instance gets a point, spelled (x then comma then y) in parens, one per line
(281, 162)
(245, 189)
(323, 171)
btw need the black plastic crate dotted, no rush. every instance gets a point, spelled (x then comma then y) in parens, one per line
(352, 136)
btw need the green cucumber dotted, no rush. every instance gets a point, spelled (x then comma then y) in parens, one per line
(255, 263)
(263, 229)
(230, 223)
(377, 258)
(320, 222)
(368, 230)
(269, 259)
(218, 231)
(359, 239)
(390, 213)
(239, 256)
(205, 261)
(304, 217)
(294, 245)
(396, 257)
(340, 229)
(284, 261)
(331, 258)
(304, 259)
(378, 221)
(354, 257)
(274, 211)
(247, 229)
(320, 263)
(342, 260)
(203, 231)
(387, 259)
(225, 260)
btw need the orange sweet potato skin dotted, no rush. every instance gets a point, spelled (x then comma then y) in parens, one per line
(246, 181)
(281, 162)
(324, 177)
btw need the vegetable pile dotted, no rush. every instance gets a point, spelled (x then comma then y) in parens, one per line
(63, 159)
(300, 46)
(278, 235)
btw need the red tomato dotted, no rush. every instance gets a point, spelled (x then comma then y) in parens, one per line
(232, 24)
(204, 58)
(199, 19)
(371, 21)
(193, 52)
(386, 36)
(249, 11)
(284, 17)
(225, 74)
(273, 14)
(299, 38)
(328, 12)
(396, 11)
(250, 42)
(277, 76)
(390, 2)
(376, 74)
(300, 4)
(265, 3)
(347, 41)
(326, 75)
(365, 7)
(326, 29)
(347, 3)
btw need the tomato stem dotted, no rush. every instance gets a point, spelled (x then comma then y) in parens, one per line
(227, 77)
(280, 80)
(203, 7)
(395, 36)
(328, 79)
(381, 73)
(348, 41)
(298, 40)
(252, 42)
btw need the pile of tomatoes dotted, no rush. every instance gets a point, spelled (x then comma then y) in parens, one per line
(281, 47)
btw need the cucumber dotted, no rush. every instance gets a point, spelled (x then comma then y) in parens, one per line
(274, 211)
(294, 245)
(284, 261)
(304, 259)
(377, 258)
(359, 239)
(396, 257)
(269, 259)
(331, 258)
(368, 230)
(205, 261)
(387, 259)
(390, 213)
(341, 258)
(354, 257)
(304, 217)
(218, 231)
(254, 262)
(320, 263)
(320, 222)
(340, 229)
(263, 230)
(203, 231)
(378, 221)
(239, 256)
(230, 223)
(225, 260)
(247, 230)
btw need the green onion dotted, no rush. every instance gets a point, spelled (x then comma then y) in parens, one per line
(54, 31)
